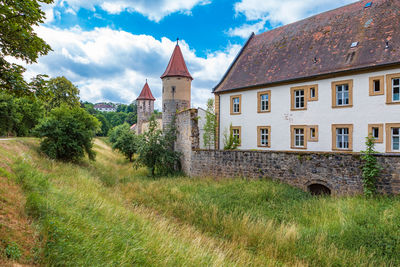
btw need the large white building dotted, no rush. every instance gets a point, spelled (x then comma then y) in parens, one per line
(320, 84)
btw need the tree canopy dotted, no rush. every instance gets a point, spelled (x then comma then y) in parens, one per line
(19, 40)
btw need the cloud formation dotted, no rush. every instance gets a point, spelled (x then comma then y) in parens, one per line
(112, 65)
(154, 10)
(278, 12)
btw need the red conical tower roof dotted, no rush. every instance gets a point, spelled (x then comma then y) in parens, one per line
(146, 93)
(177, 66)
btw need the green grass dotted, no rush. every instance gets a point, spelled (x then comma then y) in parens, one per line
(108, 214)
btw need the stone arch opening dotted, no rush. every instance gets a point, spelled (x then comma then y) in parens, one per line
(319, 189)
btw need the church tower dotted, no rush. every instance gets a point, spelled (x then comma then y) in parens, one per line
(145, 107)
(176, 82)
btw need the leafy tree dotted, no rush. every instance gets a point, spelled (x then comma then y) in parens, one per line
(62, 92)
(19, 40)
(115, 118)
(67, 133)
(9, 117)
(155, 149)
(230, 142)
(124, 140)
(131, 118)
(30, 111)
(210, 125)
(105, 124)
(371, 168)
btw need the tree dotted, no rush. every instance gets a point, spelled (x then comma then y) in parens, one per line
(105, 124)
(371, 168)
(19, 40)
(30, 111)
(124, 140)
(9, 117)
(155, 149)
(210, 125)
(62, 92)
(67, 133)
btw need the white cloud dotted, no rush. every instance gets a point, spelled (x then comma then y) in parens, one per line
(279, 12)
(112, 65)
(155, 10)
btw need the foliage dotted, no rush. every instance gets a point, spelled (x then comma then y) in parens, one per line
(67, 133)
(124, 140)
(155, 149)
(230, 142)
(105, 124)
(371, 168)
(30, 111)
(12, 251)
(210, 126)
(19, 40)
(62, 92)
(9, 117)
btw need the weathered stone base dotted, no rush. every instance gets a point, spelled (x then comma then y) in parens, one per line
(341, 173)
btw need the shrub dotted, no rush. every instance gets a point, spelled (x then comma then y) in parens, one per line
(68, 133)
(371, 168)
(230, 142)
(12, 251)
(155, 149)
(124, 140)
(210, 126)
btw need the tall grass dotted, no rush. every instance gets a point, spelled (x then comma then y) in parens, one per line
(108, 214)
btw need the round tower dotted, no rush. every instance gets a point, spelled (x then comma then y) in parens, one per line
(177, 83)
(145, 107)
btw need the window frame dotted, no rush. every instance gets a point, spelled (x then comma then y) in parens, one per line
(334, 137)
(380, 128)
(239, 128)
(372, 80)
(389, 88)
(293, 97)
(309, 137)
(315, 98)
(389, 127)
(232, 104)
(334, 94)
(259, 99)
(259, 128)
(293, 136)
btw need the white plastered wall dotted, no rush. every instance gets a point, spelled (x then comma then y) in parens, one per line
(366, 110)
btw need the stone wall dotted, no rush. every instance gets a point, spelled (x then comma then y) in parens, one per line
(340, 172)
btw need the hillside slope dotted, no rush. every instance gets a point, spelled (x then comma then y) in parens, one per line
(106, 213)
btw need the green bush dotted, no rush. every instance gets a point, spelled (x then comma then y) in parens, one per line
(12, 251)
(371, 168)
(68, 133)
(124, 140)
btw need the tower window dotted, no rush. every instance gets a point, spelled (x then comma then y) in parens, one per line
(173, 89)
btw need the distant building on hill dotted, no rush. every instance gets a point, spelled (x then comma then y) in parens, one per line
(105, 107)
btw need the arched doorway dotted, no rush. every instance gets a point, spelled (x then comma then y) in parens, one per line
(319, 189)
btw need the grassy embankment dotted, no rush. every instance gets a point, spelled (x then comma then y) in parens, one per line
(108, 214)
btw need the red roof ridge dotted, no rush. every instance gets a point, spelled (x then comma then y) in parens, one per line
(146, 93)
(177, 66)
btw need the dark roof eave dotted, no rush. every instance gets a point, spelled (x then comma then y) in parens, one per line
(179, 76)
(309, 77)
(234, 61)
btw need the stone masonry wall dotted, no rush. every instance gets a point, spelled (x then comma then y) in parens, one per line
(339, 172)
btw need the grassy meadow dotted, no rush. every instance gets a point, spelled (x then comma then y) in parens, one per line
(106, 213)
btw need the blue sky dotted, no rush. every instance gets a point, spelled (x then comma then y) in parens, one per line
(109, 47)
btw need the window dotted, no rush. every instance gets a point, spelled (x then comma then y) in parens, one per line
(342, 137)
(313, 133)
(376, 131)
(236, 133)
(393, 137)
(313, 92)
(342, 94)
(298, 136)
(263, 136)
(264, 101)
(376, 85)
(236, 104)
(298, 98)
(393, 88)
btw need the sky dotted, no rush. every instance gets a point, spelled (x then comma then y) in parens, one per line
(108, 48)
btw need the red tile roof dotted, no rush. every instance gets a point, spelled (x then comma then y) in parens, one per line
(146, 93)
(318, 46)
(177, 66)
